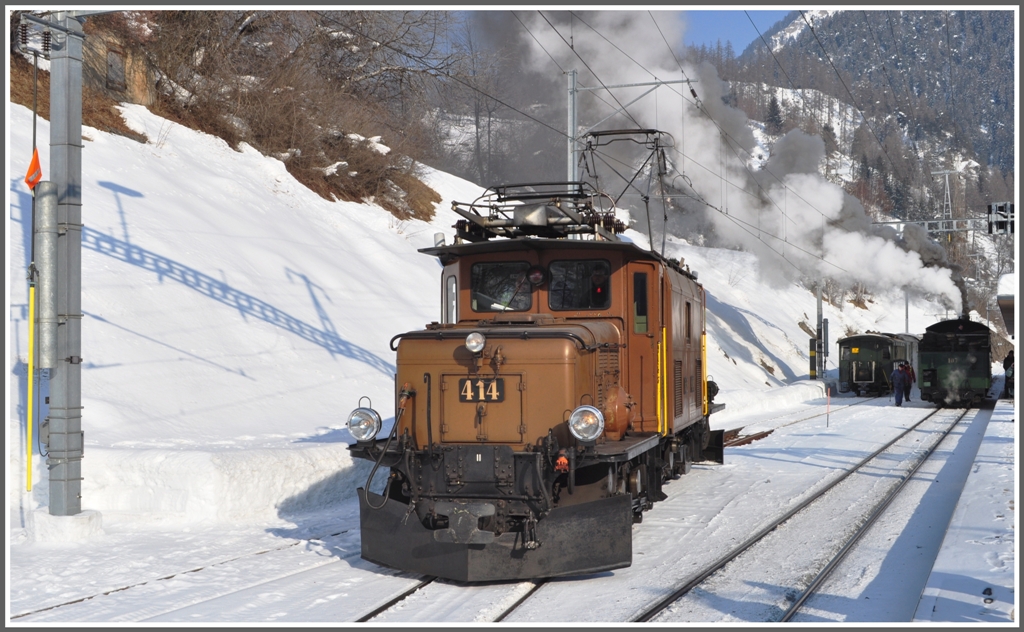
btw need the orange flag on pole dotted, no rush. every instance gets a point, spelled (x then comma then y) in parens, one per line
(35, 172)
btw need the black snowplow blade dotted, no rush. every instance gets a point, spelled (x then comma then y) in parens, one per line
(586, 538)
(715, 452)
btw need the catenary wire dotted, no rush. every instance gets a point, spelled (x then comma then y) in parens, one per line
(583, 61)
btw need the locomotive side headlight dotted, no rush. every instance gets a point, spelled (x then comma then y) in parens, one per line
(364, 424)
(586, 423)
(475, 342)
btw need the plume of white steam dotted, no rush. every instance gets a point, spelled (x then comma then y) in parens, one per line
(798, 223)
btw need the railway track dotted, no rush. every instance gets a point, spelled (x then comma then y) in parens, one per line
(374, 597)
(402, 609)
(756, 550)
(454, 602)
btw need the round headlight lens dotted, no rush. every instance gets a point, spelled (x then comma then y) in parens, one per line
(364, 424)
(475, 342)
(586, 423)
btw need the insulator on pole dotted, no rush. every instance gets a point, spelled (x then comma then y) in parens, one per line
(46, 42)
(23, 34)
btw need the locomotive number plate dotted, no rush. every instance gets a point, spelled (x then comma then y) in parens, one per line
(478, 390)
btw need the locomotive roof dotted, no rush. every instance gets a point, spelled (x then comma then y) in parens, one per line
(449, 253)
(958, 325)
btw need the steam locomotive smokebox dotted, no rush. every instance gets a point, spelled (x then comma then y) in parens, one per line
(578, 539)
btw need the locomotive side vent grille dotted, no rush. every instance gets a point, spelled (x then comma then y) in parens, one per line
(678, 383)
(607, 372)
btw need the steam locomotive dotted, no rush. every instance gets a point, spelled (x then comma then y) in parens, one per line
(956, 362)
(565, 384)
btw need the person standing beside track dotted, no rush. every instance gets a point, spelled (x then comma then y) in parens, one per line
(899, 378)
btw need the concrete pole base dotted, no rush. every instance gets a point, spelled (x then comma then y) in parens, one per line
(42, 527)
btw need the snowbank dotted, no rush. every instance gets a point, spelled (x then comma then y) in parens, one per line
(742, 407)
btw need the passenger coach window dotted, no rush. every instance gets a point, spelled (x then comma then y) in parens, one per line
(584, 284)
(640, 302)
(451, 301)
(500, 286)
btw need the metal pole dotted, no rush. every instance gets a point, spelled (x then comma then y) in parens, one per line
(906, 311)
(46, 240)
(820, 365)
(824, 346)
(571, 127)
(66, 437)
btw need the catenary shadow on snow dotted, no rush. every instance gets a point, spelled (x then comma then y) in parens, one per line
(90, 365)
(246, 304)
(824, 458)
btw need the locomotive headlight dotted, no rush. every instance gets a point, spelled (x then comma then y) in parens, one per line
(586, 423)
(364, 424)
(475, 342)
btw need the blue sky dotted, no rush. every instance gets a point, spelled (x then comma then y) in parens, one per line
(706, 27)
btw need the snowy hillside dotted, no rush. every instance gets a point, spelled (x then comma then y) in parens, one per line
(233, 318)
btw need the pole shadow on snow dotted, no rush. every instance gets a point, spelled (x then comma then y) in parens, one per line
(246, 304)
(22, 202)
(118, 192)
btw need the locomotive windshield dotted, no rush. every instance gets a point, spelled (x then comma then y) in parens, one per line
(500, 286)
(580, 284)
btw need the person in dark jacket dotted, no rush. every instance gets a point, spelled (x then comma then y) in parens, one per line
(1008, 360)
(898, 377)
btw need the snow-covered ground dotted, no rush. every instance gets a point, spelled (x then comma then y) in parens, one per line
(232, 319)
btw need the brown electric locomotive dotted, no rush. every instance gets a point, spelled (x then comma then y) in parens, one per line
(535, 423)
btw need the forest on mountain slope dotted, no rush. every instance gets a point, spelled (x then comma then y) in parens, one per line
(936, 89)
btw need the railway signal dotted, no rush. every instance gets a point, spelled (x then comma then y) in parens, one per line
(1000, 218)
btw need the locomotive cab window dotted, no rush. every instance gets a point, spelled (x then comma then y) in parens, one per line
(640, 302)
(451, 301)
(500, 286)
(689, 322)
(582, 284)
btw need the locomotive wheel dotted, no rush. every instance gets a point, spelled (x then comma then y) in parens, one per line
(636, 482)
